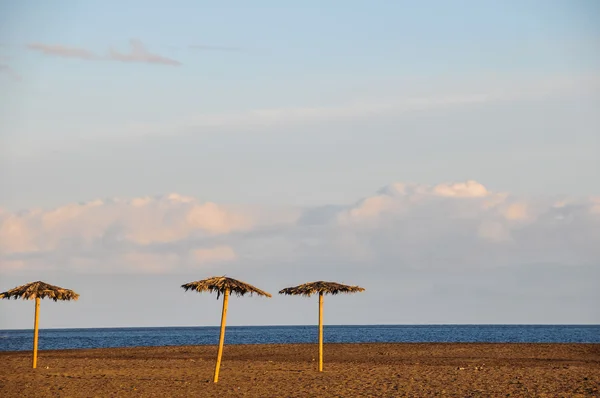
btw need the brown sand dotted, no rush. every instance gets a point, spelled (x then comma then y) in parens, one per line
(351, 370)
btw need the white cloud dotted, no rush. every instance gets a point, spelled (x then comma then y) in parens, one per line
(469, 189)
(516, 211)
(404, 226)
(123, 230)
(467, 225)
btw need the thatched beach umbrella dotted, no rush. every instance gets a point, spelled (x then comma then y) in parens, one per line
(38, 290)
(322, 288)
(225, 286)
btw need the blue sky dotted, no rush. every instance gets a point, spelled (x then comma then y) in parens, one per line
(277, 113)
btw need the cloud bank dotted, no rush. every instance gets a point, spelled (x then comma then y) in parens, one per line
(137, 53)
(450, 226)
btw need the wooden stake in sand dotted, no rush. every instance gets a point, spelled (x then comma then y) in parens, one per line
(36, 323)
(221, 335)
(38, 290)
(320, 331)
(225, 286)
(322, 288)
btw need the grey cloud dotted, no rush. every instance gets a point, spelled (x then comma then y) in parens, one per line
(10, 72)
(62, 51)
(137, 53)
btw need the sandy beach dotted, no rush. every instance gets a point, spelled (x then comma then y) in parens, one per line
(351, 370)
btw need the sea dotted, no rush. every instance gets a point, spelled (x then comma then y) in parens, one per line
(59, 339)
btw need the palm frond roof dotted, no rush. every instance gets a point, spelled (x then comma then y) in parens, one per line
(219, 284)
(41, 290)
(320, 287)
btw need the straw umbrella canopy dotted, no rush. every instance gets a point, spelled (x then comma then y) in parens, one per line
(223, 286)
(321, 288)
(38, 290)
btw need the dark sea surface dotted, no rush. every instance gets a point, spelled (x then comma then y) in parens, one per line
(53, 339)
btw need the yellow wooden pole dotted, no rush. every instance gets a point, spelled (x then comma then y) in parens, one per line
(35, 331)
(222, 336)
(320, 332)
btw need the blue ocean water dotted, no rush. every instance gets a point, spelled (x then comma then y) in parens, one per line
(53, 339)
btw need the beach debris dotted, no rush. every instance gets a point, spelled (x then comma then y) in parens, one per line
(223, 285)
(36, 291)
(321, 288)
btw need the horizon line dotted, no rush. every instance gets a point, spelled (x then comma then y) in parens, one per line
(312, 325)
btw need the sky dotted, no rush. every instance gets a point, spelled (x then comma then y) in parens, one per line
(443, 155)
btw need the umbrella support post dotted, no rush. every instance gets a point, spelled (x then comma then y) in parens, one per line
(222, 335)
(35, 331)
(320, 332)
